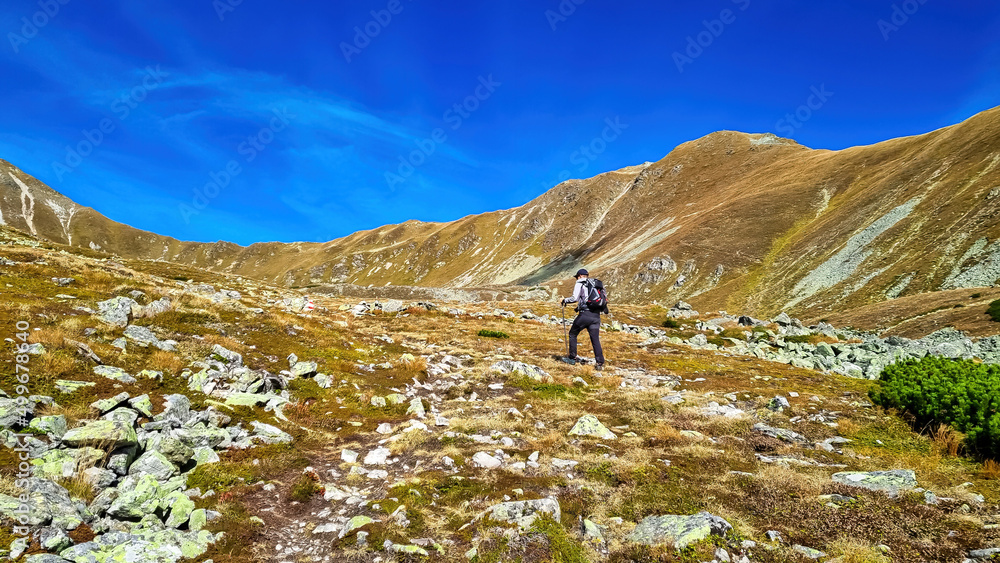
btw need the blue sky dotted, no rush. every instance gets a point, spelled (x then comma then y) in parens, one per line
(240, 121)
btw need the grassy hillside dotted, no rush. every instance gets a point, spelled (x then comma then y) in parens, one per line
(731, 221)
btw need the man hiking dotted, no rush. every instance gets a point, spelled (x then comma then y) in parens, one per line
(589, 316)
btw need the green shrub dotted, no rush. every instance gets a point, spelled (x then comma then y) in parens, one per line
(493, 334)
(671, 323)
(994, 310)
(960, 393)
(975, 296)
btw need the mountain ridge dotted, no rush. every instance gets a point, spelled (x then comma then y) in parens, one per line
(731, 220)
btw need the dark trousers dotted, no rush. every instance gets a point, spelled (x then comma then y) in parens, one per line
(592, 323)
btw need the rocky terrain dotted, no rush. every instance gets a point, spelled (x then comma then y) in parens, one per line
(175, 413)
(742, 222)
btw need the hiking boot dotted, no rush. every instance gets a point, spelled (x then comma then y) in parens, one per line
(568, 360)
(599, 367)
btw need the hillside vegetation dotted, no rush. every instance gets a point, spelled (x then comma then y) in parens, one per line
(732, 221)
(229, 424)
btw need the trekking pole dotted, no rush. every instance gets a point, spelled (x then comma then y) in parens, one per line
(565, 330)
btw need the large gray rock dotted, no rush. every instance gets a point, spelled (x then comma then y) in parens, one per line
(117, 311)
(304, 369)
(269, 434)
(13, 413)
(54, 425)
(117, 374)
(156, 464)
(528, 370)
(157, 307)
(174, 450)
(138, 495)
(105, 405)
(228, 356)
(888, 481)
(105, 434)
(525, 512)
(679, 531)
(780, 433)
(48, 504)
(177, 409)
(588, 425)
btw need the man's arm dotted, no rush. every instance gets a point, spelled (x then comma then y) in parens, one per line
(579, 294)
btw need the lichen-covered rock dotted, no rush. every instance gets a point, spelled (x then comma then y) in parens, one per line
(269, 434)
(780, 433)
(304, 369)
(142, 404)
(524, 512)
(48, 504)
(63, 464)
(354, 524)
(174, 450)
(679, 531)
(117, 311)
(13, 412)
(888, 481)
(156, 464)
(53, 425)
(102, 434)
(416, 408)
(528, 370)
(227, 356)
(200, 435)
(69, 386)
(588, 425)
(138, 495)
(142, 546)
(104, 405)
(116, 374)
(180, 507)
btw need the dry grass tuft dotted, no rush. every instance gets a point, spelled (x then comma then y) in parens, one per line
(855, 551)
(167, 362)
(948, 440)
(990, 470)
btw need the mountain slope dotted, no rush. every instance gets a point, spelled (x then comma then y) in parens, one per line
(746, 222)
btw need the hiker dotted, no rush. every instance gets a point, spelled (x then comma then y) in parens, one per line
(589, 316)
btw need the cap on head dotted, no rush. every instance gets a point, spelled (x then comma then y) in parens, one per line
(581, 272)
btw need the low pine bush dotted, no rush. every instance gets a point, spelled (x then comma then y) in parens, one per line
(671, 323)
(994, 311)
(960, 393)
(493, 334)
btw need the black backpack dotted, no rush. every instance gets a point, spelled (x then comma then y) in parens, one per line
(597, 298)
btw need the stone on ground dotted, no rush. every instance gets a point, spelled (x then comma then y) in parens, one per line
(888, 481)
(588, 425)
(524, 512)
(679, 531)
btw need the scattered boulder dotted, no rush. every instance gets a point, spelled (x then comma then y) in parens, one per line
(117, 374)
(890, 482)
(107, 434)
(588, 425)
(304, 369)
(525, 512)
(117, 311)
(528, 370)
(782, 434)
(486, 461)
(679, 531)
